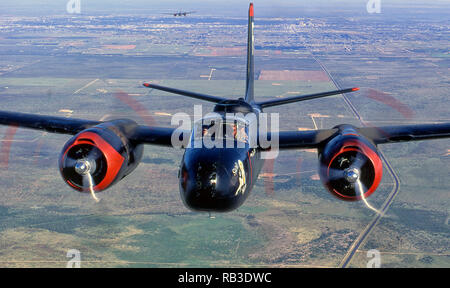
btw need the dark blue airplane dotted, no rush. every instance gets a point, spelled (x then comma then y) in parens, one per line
(220, 179)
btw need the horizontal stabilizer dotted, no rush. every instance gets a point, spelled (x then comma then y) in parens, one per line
(281, 101)
(186, 93)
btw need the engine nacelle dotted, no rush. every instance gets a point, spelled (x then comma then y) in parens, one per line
(350, 167)
(100, 156)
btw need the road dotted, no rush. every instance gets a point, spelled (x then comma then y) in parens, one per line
(369, 228)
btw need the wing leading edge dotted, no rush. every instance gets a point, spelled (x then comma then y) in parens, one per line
(52, 124)
(287, 139)
(71, 126)
(378, 135)
(402, 133)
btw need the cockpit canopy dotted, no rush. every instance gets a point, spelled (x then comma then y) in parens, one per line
(220, 132)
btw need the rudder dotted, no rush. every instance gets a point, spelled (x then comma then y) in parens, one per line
(249, 93)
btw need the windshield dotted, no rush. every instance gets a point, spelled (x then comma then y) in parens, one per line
(218, 128)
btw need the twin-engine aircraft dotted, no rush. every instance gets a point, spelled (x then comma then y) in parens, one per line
(219, 179)
(181, 13)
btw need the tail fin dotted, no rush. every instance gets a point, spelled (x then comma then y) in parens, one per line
(250, 65)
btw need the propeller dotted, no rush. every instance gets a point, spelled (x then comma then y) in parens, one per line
(362, 190)
(91, 187)
(389, 100)
(86, 168)
(347, 166)
(348, 174)
(138, 108)
(86, 165)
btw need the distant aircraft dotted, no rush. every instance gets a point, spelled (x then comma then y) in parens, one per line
(220, 179)
(181, 13)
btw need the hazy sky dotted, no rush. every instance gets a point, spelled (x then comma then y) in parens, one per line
(238, 8)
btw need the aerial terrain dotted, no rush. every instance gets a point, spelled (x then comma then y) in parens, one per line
(92, 65)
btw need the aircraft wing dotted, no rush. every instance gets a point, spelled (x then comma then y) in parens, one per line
(392, 134)
(72, 126)
(287, 139)
(157, 135)
(378, 135)
(178, 13)
(52, 124)
(304, 139)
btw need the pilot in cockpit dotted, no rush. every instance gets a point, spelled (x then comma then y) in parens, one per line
(230, 130)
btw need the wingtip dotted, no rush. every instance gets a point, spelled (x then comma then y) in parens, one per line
(146, 84)
(250, 10)
(355, 89)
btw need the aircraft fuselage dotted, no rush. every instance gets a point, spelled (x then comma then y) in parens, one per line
(219, 179)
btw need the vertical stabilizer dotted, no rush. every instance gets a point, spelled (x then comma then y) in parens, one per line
(250, 64)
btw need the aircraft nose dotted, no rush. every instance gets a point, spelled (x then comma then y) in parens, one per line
(209, 188)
